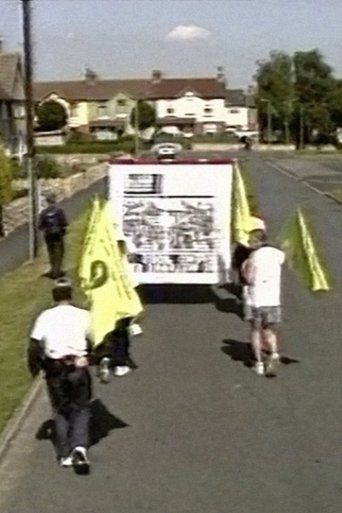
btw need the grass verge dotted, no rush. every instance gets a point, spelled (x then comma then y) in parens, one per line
(23, 294)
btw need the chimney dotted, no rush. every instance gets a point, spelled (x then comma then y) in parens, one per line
(90, 76)
(220, 76)
(156, 76)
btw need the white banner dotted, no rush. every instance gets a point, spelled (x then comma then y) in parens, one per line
(176, 218)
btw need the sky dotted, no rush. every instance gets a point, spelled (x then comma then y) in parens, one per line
(182, 38)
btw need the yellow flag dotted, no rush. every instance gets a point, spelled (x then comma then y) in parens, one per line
(319, 277)
(241, 210)
(103, 275)
(302, 253)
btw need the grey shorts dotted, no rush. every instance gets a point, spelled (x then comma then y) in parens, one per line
(263, 315)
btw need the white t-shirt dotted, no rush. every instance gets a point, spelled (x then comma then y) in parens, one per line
(62, 330)
(265, 291)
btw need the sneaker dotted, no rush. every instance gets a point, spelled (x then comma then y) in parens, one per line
(121, 370)
(259, 369)
(272, 365)
(66, 462)
(104, 370)
(80, 459)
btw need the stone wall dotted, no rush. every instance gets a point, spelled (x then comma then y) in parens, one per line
(17, 212)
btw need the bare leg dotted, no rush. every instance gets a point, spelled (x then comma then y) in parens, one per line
(256, 339)
(270, 340)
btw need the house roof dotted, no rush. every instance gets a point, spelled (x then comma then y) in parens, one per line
(102, 90)
(9, 63)
(235, 97)
(175, 87)
(96, 90)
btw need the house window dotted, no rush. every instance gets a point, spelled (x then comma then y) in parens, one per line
(190, 114)
(208, 110)
(170, 110)
(234, 111)
(121, 102)
(102, 110)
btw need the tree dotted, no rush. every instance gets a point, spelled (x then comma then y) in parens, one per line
(313, 87)
(274, 79)
(51, 116)
(146, 115)
(5, 184)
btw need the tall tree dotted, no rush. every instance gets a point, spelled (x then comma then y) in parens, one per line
(274, 79)
(146, 115)
(51, 116)
(313, 87)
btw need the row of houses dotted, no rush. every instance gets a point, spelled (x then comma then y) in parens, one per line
(183, 106)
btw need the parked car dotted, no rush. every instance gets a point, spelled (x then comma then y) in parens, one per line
(166, 150)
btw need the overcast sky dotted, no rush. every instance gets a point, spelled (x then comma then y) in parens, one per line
(129, 38)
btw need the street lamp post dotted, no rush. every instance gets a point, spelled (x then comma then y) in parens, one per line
(269, 120)
(301, 127)
(136, 128)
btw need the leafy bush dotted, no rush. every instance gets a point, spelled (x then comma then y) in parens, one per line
(47, 168)
(126, 145)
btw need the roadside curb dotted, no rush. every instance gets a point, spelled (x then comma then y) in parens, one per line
(292, 175)
(16, 420)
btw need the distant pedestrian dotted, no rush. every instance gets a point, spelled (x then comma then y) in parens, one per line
(59, 346)
(262, 272)
(53, 224)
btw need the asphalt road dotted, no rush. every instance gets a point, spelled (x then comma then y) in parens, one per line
(193, 430)
(14, 249)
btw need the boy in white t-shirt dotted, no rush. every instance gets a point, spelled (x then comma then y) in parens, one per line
(262, 272)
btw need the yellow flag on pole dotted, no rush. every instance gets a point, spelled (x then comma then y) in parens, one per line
(103, 276)
(303, 255)
(241, 210)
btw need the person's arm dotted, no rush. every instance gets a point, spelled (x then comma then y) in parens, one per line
(35, 353)
(248, 270)
(34, 357)
(62, 219)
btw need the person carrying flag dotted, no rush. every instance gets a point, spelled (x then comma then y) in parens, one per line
(262, 273)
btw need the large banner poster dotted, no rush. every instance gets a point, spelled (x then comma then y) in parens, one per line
(176, 218)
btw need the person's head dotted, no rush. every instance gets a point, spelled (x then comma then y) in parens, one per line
(62, 290)
(257, 238)
(51, 198)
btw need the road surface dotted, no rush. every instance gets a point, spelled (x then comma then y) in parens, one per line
(193, 430)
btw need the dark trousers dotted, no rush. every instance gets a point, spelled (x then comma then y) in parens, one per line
(70, 394)
(120, 352)
(55, 248)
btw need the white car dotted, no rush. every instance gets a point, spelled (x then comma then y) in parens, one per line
(166, 150)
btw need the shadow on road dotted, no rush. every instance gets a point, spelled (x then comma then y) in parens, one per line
(241, 352)
(101, 424)
(192, 294)
(238, 351)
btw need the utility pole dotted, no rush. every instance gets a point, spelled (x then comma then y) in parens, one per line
(30, 149)
(136, 128)
(269, 124)
(301, 127)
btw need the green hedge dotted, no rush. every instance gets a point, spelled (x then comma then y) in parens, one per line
(126, 146)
